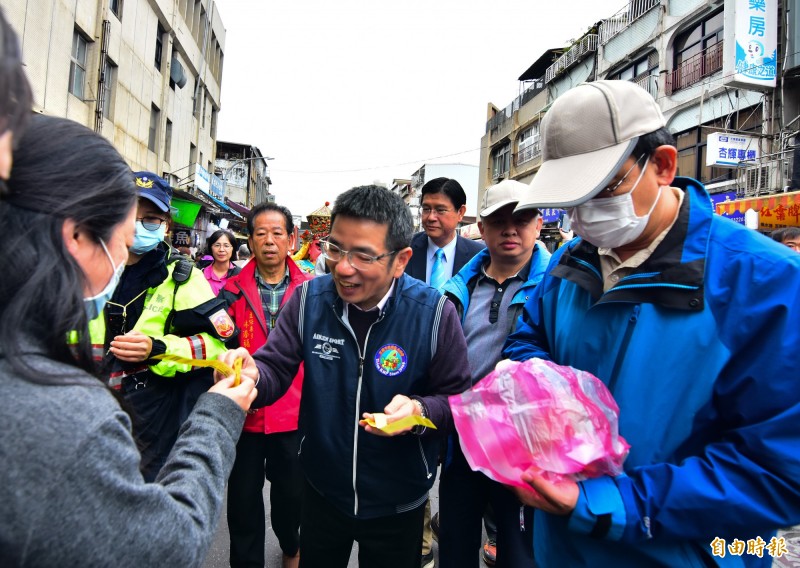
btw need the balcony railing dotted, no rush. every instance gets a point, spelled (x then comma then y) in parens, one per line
(529, 152)
(499, 119)
(649, 83)
(694, 69)
(504, 115)
(625, 17)
(586, 44)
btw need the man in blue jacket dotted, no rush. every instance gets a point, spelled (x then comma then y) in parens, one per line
(691, 321)
(489, 293)
(373, 340)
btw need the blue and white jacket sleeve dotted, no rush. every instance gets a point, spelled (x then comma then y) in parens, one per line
(530, 339)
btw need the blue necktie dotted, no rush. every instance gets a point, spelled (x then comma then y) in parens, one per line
(437, 270)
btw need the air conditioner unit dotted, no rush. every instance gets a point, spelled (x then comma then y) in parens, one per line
(177, 74)
(766, 178)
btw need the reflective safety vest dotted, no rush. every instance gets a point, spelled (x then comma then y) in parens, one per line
(203, 337)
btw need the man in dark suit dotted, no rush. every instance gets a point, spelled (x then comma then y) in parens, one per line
(443, 207)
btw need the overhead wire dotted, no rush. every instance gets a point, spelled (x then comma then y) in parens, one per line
(702, 83)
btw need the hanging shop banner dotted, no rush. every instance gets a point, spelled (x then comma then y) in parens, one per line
(201, 178)
(774, 211)
(727, 150)
(182, 238)
(750, 43)
(217, 187)
(185, 212)
(550, 215)
(717, 198)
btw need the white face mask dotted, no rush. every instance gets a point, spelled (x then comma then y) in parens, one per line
(94, 305)
(611, 222)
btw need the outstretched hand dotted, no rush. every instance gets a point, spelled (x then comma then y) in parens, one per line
(244, 394)
(399, 407)
(249, 369)
(558, 498)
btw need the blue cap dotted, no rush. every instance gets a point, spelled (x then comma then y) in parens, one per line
(154, 188)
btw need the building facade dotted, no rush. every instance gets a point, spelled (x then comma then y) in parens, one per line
(145, 74)
(721, 70)
(244, 172)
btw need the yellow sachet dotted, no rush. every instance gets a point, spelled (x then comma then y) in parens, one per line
(215, 364)
(392, 427)
(237, 372)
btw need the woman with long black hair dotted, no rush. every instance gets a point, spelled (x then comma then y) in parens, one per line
(70, 486)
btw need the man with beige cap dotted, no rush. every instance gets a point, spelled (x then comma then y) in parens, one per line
(691, 322)
(489, 293)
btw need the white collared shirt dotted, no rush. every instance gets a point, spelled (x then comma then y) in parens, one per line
(449, 257)
(379, 307)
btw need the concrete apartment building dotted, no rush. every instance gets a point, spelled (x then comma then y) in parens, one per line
(145, 74)
(724, 72)
(244, 172)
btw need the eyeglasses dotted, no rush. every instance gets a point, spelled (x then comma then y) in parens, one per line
(440, 211)
(613, 188)
(151, 223)
(221, 246)
(358, 260)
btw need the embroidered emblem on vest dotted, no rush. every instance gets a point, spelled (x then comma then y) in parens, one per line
(391, 360)
(223, 323)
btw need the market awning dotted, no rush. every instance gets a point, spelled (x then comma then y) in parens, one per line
(775, 211)
(222, 205)
(237, 207)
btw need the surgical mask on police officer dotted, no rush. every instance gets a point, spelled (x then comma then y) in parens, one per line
(94, 305)
(145, 240)
(611, 222)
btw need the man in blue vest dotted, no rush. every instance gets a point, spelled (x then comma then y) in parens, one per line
(373, 340)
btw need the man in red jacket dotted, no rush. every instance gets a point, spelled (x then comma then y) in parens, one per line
(269, 443)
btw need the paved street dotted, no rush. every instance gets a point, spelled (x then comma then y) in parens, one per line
(218, 555)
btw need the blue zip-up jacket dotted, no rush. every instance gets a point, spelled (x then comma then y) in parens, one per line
(415, 348)
(700, 347)
(459, 288)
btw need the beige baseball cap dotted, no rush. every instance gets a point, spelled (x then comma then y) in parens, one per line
(586, 136)
(501, 194)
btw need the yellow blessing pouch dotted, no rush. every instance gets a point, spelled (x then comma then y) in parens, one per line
(379, 421)
(215, 364)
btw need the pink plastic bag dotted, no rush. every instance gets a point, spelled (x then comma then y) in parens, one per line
(556, 419)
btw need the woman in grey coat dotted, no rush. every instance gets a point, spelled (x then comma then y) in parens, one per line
(70, 486)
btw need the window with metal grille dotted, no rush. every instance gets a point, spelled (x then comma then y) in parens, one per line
(77, 65)
(109, 79)
(501, 161)
(643, 72)
(528, 146)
